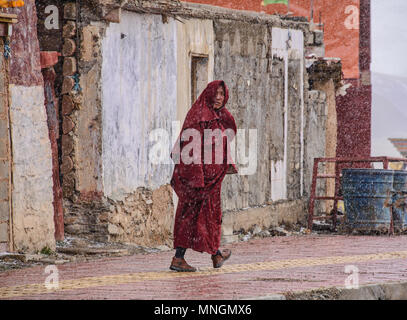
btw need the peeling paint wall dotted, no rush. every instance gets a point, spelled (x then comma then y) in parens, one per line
(139, 95)
(146, 85)
(25, 67)
(33, 212)
(139, 84)
(32, 194)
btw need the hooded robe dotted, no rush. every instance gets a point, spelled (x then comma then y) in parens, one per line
(198, 184)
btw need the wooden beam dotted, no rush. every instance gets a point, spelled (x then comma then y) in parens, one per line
(8, 18)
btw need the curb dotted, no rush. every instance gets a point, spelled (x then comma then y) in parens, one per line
(375, 291)
(270, 297)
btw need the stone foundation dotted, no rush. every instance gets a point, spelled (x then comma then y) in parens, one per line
(144, 217)
(282, 212)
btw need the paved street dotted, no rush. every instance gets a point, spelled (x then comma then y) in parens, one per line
(257, 268)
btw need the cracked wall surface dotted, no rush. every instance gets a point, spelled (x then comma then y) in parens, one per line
(135, 82)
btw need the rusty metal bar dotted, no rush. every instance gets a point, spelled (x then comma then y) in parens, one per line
(337, 187)
(328, 198)
(371, 159)
(391, 230)
(322, 217)
(385, 164)
(326, 176)
(312, 197)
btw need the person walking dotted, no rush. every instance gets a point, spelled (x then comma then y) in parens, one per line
(198, 184)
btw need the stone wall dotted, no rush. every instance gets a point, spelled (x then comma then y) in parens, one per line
(258, 88)
(267, 78)
(242, 60)
(81, 141)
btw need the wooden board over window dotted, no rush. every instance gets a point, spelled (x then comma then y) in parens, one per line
(199, 75)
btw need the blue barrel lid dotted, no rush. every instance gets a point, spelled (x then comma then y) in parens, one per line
(363, 170)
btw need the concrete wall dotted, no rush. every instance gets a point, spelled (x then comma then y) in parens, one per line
(328, 87)
(288, 45)
(314, 135)
(143, 92)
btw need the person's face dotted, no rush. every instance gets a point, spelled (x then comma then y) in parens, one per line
(220, 97)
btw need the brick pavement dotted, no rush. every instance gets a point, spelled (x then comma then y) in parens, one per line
(259, 267)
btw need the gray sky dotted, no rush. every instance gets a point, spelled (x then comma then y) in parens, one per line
(389, 74)
(389, 36)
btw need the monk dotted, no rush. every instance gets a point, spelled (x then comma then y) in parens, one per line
(198, 182)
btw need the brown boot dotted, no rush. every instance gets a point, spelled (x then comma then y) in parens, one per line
(219, 259)
(179, 264)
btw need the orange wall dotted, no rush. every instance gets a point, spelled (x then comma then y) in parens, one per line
(341, 19)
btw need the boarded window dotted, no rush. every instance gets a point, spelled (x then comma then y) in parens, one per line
(199, 76)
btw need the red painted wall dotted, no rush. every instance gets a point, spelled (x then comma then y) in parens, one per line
(355, 108)
(25, 67)
(354, 121)
(340, 18)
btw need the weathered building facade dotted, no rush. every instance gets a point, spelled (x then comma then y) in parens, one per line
(136, 82)
(124, 83)
(30, 201)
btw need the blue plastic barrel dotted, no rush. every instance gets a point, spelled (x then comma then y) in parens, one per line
(365, 192)
(400, 189)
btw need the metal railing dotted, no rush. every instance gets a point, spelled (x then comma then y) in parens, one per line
(384, 160)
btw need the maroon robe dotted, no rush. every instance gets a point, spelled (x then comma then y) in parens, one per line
(198, 186)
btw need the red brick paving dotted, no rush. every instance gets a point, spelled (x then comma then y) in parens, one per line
(238, 285)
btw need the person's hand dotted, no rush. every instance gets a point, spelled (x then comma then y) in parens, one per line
(231, 170)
